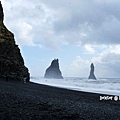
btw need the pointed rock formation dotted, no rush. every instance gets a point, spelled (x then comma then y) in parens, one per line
(11, 61)
(53, 71)
(92, 76)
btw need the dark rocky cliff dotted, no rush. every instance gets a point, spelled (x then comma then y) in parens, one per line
(1, 13)
(11, 61)
(92, 76)
(53, 71)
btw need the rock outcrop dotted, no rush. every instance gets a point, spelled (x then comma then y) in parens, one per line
(11, 61)
(53, 71)
(1, 13)
(92, 76)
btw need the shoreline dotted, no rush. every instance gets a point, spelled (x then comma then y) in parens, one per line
(75, 90)
(37, 101)
(81, 89)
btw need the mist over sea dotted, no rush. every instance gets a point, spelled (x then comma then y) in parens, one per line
(109, 86)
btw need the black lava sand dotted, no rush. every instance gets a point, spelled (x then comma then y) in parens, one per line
(30, 101)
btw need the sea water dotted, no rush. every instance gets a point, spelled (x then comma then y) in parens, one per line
(109, 86)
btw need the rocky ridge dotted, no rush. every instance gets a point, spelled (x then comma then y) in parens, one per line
(11, 60)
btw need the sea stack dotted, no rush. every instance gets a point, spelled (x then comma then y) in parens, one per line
(11, 61)
(53, 70)
(92, 76)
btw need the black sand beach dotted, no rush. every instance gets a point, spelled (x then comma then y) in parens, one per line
(30, 101)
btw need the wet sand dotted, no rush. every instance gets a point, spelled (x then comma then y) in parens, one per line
(31, 101)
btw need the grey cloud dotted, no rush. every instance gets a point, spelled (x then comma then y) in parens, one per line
(99, 21)
(66, 21)
(108, 63)
(108, 33)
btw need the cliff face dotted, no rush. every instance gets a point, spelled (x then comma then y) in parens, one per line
(53, 71)
(11, 61)
(92, 76)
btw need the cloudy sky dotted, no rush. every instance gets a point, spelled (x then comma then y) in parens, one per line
(77, 32)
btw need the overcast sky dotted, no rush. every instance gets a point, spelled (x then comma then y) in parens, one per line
(77, 32)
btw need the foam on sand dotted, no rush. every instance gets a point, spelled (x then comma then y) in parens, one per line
(104, 86)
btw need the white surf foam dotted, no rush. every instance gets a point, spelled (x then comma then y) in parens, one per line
(104, 86)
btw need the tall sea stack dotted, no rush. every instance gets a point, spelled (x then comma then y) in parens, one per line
(53, 71)
(92, 76)
(11, 61)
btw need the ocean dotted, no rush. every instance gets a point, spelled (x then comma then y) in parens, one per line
(110, 86)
